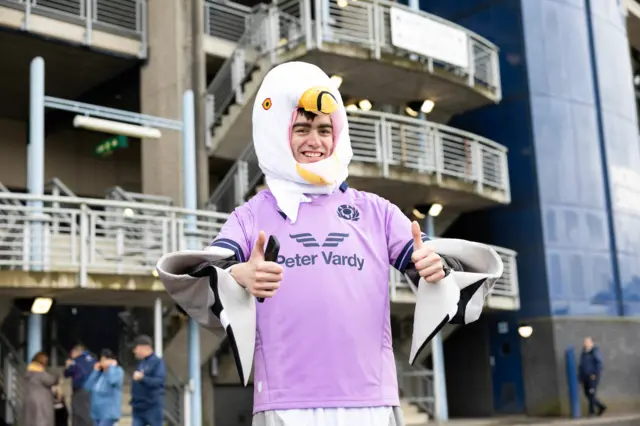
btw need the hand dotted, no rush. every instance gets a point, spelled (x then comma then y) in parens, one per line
(68, 363)
(593, 377)
(428, 263)
(259, 277)
(137, 375)
(97, 366)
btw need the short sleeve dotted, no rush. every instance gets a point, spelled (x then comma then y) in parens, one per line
(399, 238)
(236, 234)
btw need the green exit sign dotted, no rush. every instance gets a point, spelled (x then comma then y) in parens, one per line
(110, 145)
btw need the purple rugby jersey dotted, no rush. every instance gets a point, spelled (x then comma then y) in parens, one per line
(324, 339)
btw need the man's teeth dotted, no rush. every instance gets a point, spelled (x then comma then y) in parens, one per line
(312, 154)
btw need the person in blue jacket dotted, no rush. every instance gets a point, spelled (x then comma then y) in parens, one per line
(590, 372)
(147, 390)
(79, 367)
(105, 386)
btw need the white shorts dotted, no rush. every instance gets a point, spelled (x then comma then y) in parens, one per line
(374, 416)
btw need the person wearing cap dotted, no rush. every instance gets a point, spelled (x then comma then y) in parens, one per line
(105, 386)
(147, 390)
(321, 341)
(78, 368)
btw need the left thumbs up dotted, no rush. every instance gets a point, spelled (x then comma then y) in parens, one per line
(417, 236)
(427, 262)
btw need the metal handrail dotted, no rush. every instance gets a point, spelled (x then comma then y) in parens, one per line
(11, 369)
(97, 236)
(82, 246)
(391, 140)
(506, 285)
(416, 383)
(365, 24)
(237, 183)
(121, 17)
(225, 19)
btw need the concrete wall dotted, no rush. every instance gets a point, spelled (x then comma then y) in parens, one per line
(69, 157)
(544, 362)
(163, 80)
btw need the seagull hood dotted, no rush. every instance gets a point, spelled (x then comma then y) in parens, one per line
(286, 88)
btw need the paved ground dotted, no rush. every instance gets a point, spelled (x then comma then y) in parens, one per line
(606, 420)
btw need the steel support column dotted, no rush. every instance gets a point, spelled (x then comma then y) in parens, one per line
(437, 351)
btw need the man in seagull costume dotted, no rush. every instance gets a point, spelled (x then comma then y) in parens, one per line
(321, 341)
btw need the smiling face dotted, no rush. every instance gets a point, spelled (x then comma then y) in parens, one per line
(311, 137)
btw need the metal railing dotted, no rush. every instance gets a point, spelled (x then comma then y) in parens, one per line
(96, 236)
(238, 183)
(270, 30)
(11, 368)
(225, 19)
(506, 285)
(390, 140)
(123, 17)
(415, 384)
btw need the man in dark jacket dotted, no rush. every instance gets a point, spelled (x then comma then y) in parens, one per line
(590, 374)
(147, 391)
(79, 367)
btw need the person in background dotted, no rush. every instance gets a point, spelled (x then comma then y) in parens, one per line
(105, 387)
(147, 390)
(38, 391)
(590, 374)
(79, 367)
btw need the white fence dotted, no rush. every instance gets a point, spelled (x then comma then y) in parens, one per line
(122, 17)
(95, 236)
(269, 30)
(390, 140)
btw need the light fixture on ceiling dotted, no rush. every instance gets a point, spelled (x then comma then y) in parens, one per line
(435, 209)
(418, 214)
(427, 106)
(351, 107)
(41, 305)
(365, 105)
(116, 127)
(525, 331)
(410, 112)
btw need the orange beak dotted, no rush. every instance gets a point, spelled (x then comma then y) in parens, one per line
(318, 100)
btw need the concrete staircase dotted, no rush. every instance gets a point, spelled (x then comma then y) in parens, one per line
(126, 419)
(232, 129)
(175, 352)
(412, 414)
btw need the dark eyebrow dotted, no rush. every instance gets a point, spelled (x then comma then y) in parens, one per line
(308, 125)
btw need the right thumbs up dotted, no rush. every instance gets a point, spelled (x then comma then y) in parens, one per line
(260, 277)
(257, 254)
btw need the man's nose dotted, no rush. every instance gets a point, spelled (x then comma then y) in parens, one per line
(313, 138)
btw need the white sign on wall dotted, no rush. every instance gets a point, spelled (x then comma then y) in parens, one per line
(427, 37)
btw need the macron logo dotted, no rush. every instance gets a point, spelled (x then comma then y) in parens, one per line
(308, 240)
(333, 239)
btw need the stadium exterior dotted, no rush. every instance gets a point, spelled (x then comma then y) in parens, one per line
(516, 118)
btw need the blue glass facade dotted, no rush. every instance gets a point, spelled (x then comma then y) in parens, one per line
(568, 117)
